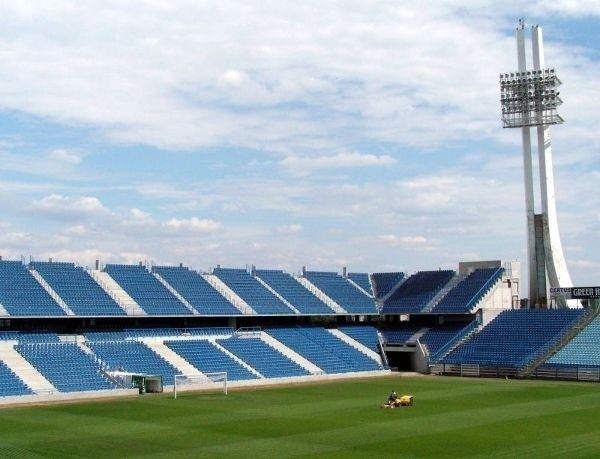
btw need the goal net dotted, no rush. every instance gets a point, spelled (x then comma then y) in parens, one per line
(205, 381)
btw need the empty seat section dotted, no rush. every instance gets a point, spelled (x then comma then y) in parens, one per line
(514, 337)
(66, 366)
(352, 356)
(152, 296)
(197, 291)
(22, 295)
(469, 291)
(267, 360)
(78, 289)
(582, 351)
(383, 283)
(134, 357)
(400, 334)
(9, 335)
(325, 350)
(311, 351)
(437, 337)
(207, 358)
(256, 295)
(38, 337)
(11, 384)
(293, 292)
(416, 292)
(362, 280)
(342, 292)
(364, 334)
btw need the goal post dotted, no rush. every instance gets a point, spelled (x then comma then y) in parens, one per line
(204, 381)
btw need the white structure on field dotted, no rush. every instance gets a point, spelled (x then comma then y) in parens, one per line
(530, 98)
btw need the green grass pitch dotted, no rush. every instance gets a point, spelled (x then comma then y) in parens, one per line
(452, 417)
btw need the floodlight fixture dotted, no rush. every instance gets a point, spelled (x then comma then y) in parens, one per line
(530, 98)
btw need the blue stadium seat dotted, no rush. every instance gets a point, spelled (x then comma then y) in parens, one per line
(469, 291)
(383, 283)
(77, 289)
(293, 292)
(66, 366)
(207, 358)
(22, 295)
(364, 334)
(256, 295)
(326, 351)
(362, 280)
(263, 358)
(514, 338)
(133, 357)
(582, 351)
(198, 292)
(342, 292)
(11, 384)
(416, 292)
(152, 296)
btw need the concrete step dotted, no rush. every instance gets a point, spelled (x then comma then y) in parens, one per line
(357, 345)
(289, 353)
(24, 370)
(229, 294)
(116, 292)
(182, 365)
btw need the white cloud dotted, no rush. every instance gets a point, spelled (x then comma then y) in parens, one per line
(302, 165)
(65, 156)
(290, 229)
(60, 206)
(233, 78)
(312, 80)
(77, 230)
(193, 225)
(404, 241)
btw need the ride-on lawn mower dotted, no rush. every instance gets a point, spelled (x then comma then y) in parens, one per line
(405, 400)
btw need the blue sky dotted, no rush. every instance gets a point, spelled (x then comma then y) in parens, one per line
(363, 134)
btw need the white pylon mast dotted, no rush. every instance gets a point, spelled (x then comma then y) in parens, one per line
(556, 265)
(528, 172)
(529, 98)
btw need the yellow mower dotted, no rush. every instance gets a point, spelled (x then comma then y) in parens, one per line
(405, 400)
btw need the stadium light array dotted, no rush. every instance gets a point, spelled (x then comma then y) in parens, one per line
(530, 98)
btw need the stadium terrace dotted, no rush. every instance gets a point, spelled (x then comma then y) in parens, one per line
(70, 331)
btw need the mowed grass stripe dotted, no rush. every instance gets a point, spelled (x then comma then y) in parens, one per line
(452, 417)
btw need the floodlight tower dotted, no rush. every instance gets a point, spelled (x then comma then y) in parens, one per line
(529, 98)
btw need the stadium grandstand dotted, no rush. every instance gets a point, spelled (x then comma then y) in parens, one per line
(66, 330)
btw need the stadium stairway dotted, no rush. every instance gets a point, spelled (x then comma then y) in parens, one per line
(24, 370)
(274, 292)
(228, 293)
(321, 295)
(175, 293)
(182, 365)
(385, 297)
(304, 363)
(237, 359)
(3, 312)
(583, 322)
(443, 292)
(55, 296)
(114, 290)
(355, 344)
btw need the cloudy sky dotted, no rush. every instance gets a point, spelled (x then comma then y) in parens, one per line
(347, 133)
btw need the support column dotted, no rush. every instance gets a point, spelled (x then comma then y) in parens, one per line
(556, 266)
(528, 178)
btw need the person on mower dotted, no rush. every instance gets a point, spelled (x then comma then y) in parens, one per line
(392, 398)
